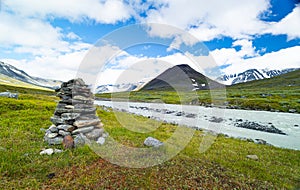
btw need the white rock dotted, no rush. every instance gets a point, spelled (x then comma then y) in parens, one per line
(101, 140)
(253, 157)
(150, 141)
(69, 107)
(48, 151)
(57, 151)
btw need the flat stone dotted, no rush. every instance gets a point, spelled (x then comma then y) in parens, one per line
(63, 133)
(83, 130)
(252, 157)
(69, 107)
(87, 117)
(60, 111)
(70, 116)
(79, 97)
(94, 134)
(84, 123)
(79, 140)
(55, 141)
(152, 142)
(67, 128)
(56, 120)
(48, 151)
(100, 141)
(51, 135)
(53, 129)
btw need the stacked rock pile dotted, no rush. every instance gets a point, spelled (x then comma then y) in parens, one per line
(75, 116)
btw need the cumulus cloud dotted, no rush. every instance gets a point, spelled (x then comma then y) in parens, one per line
(289, 25)
(207, 21)
(282, 59)
(110, 11)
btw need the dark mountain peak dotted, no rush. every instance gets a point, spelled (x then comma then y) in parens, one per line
(181, 78)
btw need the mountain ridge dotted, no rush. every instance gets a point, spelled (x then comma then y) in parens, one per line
(10, 71)
(251, 75)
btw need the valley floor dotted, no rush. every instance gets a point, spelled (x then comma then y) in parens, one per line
(223, 166)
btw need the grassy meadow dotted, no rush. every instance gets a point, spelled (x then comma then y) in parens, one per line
(223, 166)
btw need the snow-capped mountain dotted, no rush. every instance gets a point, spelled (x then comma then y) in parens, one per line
(12, 72)
(250, 75)
(118, 87)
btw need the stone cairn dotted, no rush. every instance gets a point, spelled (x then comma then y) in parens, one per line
(75, 121)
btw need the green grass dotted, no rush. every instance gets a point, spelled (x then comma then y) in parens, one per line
(223, 166)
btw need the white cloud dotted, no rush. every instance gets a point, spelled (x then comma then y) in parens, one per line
(28, 32)
(110, 11)
(289, 25)
(237, 19)
(282, 59)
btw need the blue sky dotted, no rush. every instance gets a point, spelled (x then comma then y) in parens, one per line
(51, 39)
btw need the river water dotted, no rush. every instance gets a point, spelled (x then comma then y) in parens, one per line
(219, 120)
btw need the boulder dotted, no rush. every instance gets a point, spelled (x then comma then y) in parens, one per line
(152, 142)
(252, 157)
(95, 134)
(9, 95)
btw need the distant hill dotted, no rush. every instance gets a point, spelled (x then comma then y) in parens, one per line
(284, 80)
(181, 77)
(10, 75)
(251, 75)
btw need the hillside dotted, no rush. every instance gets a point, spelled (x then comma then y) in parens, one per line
(181, 77)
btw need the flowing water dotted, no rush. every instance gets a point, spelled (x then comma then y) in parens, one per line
(218, 120)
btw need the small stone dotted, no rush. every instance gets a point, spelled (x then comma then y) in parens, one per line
(51, 175)
(260, 141)
(55, 141)
(152, 142)
(57, 151)
(96, 133)
(53, 129)
(48, 151)
(253, 157)
(69, 116)
(64, 133)
(105, 135)
(69, 107)
(84, 123)
(101, 140)
(67, 128)
(78, 97)
(79, 140)
(51, 135)
(292, 110)
(68, 142)
(56, 120)
(83, 130)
